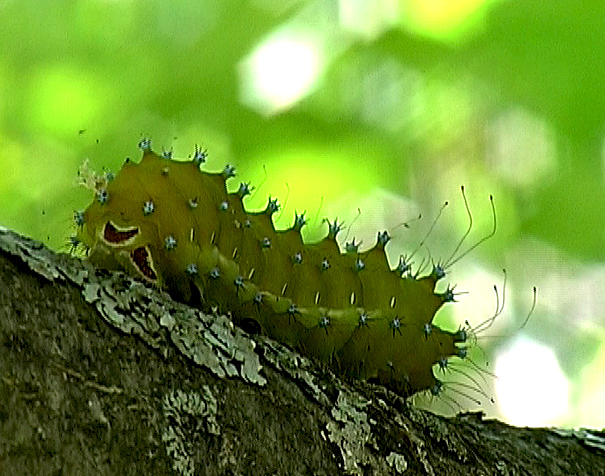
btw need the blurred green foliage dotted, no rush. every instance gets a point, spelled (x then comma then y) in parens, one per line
(505, 97)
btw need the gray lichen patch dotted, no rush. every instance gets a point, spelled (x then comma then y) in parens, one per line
(397, 462)
(351, 432)
(187, 413)
(208, 340)
(296, 367)
(33, 253)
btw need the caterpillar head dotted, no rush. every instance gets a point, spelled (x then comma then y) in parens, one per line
(136, 224)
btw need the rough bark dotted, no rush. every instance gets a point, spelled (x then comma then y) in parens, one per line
(102, 375)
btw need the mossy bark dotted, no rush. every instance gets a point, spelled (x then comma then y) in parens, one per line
(101, 375)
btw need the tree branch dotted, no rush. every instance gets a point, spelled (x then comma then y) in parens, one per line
(102, 375)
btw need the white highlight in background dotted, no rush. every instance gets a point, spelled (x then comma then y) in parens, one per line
(531, 388)
(280, 71)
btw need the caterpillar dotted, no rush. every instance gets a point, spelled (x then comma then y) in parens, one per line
(177, 227)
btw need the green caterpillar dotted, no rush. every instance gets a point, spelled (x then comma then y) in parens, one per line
(175, 226)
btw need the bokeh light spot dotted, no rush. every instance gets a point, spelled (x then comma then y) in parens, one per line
(443, 19)
(368, 17)
(531, 387)
(280, 72)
